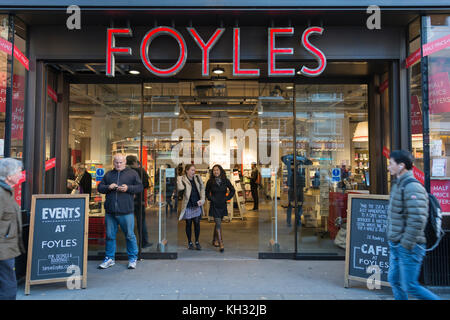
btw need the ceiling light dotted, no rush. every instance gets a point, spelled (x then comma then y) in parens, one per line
(260, 108)
(147, 87)
(134, 72)
(177, 109)
(289, 87)
(218, 70)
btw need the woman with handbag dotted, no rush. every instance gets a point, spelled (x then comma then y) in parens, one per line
(192, 201)
(216, 192)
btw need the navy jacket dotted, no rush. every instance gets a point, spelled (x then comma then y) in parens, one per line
(120, 202)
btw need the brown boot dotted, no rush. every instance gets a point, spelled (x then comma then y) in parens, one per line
(219, 234)
(215, 242)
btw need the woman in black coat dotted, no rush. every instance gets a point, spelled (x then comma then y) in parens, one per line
(216, 193)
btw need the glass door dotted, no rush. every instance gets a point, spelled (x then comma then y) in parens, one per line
(332, 139)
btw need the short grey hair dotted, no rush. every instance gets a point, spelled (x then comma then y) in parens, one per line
(9, 167)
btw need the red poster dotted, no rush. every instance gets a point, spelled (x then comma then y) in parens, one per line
(416, 116)
(383, 86)
(18, 107)
(18, 194)
(413, 58)
(6, 47)
(439, 93)
(52, 94)
(2, 91)
(50, 164)
(386, 152)
(441, 190)
(419, 175)
(436, 45)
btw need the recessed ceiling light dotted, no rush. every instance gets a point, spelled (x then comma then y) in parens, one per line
(289, 87)
(134, 72)
(147, 87)
(218, 70)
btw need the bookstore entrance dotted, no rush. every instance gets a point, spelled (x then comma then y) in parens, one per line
(245, 126)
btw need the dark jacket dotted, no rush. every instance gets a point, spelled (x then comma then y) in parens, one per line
(11, 244)
(120, 202)
(300, 182)
(217, 195)
(86, 183)
(407, 213)
(140, 197)
(254, 178)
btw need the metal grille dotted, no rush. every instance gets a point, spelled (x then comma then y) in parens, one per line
(436, 266)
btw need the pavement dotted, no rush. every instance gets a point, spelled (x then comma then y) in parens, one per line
(216, 278)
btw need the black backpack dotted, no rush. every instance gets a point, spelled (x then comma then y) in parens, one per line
(433, 229)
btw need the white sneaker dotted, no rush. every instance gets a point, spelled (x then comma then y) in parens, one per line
(108, 262)
(132, 264)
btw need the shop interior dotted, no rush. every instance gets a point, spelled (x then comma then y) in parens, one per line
(156, 120)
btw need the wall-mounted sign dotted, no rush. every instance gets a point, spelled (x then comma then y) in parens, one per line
(336, 175)
(207, 45)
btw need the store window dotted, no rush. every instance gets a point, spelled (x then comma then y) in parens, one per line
(104, 120)
(437, 33)
(415, 83)
(332, 133)
(4, 36)
(50, 127)
(19, 92)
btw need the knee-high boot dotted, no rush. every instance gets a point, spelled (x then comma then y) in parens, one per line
(219, 234)
(215, 242)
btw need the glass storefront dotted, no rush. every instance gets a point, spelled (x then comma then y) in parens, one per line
(104, 120)
(4, 36)
(234, 124)
(333, 143)
(436, 34)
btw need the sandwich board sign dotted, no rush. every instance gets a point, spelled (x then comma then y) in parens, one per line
(57, 245)
(367, 248)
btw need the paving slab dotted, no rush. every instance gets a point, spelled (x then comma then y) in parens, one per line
(213, 279)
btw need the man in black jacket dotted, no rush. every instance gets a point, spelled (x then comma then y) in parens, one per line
(120, 185)
(139, 201)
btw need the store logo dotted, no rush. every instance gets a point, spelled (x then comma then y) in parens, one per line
(374, 281)
(374, 21)
(74, 21)
(74, 280)
(207, 45)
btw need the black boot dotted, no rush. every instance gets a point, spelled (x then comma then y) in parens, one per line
(219, 235)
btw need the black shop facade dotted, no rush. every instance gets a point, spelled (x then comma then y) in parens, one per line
(230, 86)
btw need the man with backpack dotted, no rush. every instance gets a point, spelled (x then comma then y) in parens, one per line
(407, 219)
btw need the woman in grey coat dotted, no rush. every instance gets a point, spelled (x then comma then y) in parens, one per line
(11, 245)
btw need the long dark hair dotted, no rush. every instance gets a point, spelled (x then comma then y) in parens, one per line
(223, 175)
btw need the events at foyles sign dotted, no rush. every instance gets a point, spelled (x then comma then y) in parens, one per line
(58, 238)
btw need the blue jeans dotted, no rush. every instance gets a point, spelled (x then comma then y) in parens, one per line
(126, 223)
(8, 282)
(404, 271)
(289, 214)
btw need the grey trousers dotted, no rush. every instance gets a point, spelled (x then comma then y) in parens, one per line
(218, 222)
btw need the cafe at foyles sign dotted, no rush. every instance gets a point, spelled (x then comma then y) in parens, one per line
(206, 46)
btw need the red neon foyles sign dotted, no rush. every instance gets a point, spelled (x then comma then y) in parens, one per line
(206, 47)
(111, 48)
